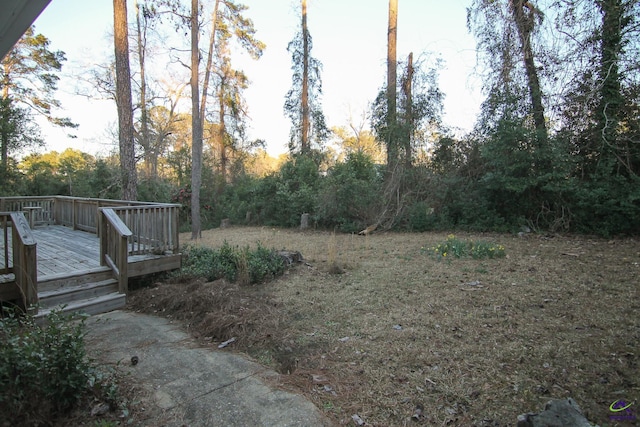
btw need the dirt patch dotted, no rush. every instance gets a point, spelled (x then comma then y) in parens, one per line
(467, 342)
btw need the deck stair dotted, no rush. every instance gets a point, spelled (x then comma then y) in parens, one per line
(92, 292)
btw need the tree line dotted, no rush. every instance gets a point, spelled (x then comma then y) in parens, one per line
(556, 145)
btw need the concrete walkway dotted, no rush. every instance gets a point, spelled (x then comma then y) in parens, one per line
(194, 386)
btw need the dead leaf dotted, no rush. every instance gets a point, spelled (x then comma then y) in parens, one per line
(227, 342)
(356, 418)
(319, 379)
(329, 389)
(474, 283)
(100, 409)
(417, 414)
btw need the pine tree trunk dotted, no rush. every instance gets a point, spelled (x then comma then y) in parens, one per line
(392, 34)
(123, 101)
(196, 127)
(304, 145)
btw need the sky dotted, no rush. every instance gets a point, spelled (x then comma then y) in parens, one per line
(349, 38)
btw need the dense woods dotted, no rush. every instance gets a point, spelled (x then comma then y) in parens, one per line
(556, 146)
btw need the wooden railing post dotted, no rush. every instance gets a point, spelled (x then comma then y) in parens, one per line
(123, 263)
(25, 262)
(176, 229)
(29, 278)
(103, 237)
(73, 214)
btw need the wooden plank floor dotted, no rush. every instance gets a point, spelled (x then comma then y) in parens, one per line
(62, 250)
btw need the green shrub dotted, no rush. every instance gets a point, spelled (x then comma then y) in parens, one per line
(263, 263)
(607, 206)
(44, 371)
(230, 262)
(282, 197)
(350, 195)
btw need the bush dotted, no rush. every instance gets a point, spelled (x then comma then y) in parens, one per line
(44, 371)
(232, 263)
(238, 199)
(350, 195)
(284, 196)
(607, 206)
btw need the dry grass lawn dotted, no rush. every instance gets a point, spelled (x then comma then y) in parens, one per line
(377, 327)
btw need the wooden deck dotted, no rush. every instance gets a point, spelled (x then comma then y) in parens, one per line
(62, 250)
(64, 253)
(81, 252)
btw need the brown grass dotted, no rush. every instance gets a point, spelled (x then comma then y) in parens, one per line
(401, 330)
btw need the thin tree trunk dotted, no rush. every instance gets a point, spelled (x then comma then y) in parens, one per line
(221, 139)
(5, 114)
(304, 145)
(207, 71)
(123, 101)
(407, 88)
(525, 22)
(145, 139)
(196, 127)
(392, 34)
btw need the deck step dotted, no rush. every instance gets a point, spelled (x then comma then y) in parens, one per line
(79, 277)
(97, 305)
(69, 294)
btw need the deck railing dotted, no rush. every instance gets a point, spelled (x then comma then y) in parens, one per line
(82, 213)
(154, 228)
(21, 260)
(154, 225)
(40, 207)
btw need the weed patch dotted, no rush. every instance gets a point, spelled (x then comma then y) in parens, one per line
(454, 247)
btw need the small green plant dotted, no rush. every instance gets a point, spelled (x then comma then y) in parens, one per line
(44, 370)
(232, 263)
(457, 248)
